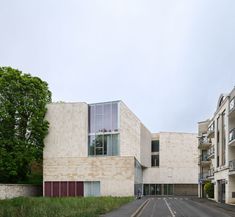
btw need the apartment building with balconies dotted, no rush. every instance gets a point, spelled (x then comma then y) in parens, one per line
(104, 149)
(216, 145)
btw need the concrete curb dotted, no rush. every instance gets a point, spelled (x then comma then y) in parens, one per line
(140, 208)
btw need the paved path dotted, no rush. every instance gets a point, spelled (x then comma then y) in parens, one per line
(180, 207)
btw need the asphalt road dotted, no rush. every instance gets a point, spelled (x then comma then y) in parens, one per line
(179, 207)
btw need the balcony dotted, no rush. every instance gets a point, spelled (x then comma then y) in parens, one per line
(203, 176)
(232, 108)
(211, 152)
(232, 137)
(204, 142)
(232, 167)
(211, 131)
(211, 173)
(203, 160)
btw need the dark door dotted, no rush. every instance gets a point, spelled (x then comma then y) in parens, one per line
(203, 191)
(221, 191)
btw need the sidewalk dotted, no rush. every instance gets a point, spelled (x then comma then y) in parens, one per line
(126, 210)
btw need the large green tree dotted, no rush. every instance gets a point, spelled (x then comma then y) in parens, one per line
(23, 100)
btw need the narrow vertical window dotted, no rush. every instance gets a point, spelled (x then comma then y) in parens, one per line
(155, 153)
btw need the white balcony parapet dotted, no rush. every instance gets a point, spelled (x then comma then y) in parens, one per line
(232, 137)
(232, 165)
(211, 152)
(211, 130)
(232, 104)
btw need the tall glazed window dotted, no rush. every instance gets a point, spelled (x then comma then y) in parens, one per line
(103, 129)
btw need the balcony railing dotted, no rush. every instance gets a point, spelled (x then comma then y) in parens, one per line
(211, 152)
(232, 135)
(211, 130)
(211, 172)
(204, 141)
(232, 104)
(203, 176)
(232, 109)
(232, 165)
(203, 159)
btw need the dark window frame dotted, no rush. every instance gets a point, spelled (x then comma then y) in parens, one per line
(155, 162)
(155, 146)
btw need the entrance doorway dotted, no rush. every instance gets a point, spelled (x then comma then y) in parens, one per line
(159, 189)
(221, 190)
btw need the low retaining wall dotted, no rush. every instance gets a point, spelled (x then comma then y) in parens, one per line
(8, 191)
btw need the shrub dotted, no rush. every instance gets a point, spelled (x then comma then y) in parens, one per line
(209, 189)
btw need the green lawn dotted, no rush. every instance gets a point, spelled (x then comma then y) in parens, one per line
(60, 207)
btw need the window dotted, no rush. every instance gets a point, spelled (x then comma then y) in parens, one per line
(204, 155)
(103, 117)
(155, 153)
(155, 146)
(103, 129)
(155, 160)
(104, 145)
(92, 189)
(138, 173)
(152, 189)
(158, 189)
(146, 189)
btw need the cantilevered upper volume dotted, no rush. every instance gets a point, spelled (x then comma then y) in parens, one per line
(104, 149)
(216, 143)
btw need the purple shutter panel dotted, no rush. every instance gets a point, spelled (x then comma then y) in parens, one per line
(47, 189)
(71, 189)
(56, 189)
(64, 189)
(80, 189)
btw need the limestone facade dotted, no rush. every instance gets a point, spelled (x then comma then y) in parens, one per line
(67, 162)
(177, 160)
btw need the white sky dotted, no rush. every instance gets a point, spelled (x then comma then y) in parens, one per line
(168, 60)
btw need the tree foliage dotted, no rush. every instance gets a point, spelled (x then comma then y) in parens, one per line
(23, 100)
(209, 189)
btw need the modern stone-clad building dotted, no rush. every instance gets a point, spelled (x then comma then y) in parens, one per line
(104, 149)
(216, 145)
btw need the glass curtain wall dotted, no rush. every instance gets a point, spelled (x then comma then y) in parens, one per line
(103, 129)
(138, 178)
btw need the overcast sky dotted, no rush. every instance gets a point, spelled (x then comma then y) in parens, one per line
(168, 60)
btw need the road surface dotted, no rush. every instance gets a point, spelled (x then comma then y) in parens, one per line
(179, 207)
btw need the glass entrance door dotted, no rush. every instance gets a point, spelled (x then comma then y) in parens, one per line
(158, 189)
(168, 189)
